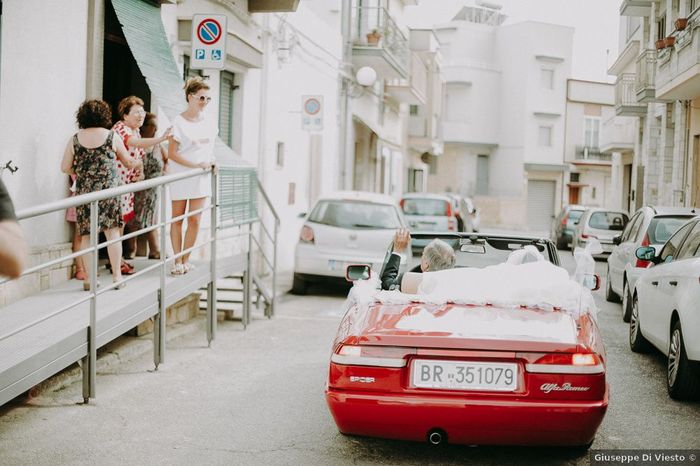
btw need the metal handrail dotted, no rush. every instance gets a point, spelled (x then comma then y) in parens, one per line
(272, 263)
(159, 183)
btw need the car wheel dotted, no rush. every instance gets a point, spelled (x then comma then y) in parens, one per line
(683, 379)
(638, 343)
(626, 308)
(299, 285)
(610, 295)
(561, 244)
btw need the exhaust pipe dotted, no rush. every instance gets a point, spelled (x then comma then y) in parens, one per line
(437, 437)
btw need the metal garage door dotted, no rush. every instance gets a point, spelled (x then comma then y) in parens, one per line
(540, 204)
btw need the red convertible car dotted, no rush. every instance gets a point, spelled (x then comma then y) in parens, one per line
(511, 371)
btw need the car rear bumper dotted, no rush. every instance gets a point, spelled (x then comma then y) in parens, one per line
(309, 260)
(472, 422)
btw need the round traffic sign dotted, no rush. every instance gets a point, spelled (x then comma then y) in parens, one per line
(209, 31)
(312, 106)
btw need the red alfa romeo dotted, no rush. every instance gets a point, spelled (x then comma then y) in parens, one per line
(469, 373)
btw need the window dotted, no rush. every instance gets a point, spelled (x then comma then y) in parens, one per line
(413, 109)
(671, 247)
(690, 245)
(591, 135)
(631, 228)
(280, 154)
(226, 89)
(593, 192)
(425, 206)
(356, 215)
(611, 221)
(661, 27)
(482, 174)
(574, 177)
(547, 78)
(545, 136)
(661, 228)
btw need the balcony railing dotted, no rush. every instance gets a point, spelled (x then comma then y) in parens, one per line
(592, 153)
(626, 96)
(374, 27)
(413, 90)
(646, 76)
(675, 75)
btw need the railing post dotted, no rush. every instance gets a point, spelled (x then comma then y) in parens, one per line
(211, 287)
(159, 324)
(90, 361)
(273, 292)
(248, 278)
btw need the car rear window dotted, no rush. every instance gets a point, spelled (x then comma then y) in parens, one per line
(615, 221)
(431, 207)
(662, 228)
(575, 214)
(356, 215)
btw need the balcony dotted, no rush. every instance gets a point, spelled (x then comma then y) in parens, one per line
(646, 77)
(626, 96)
(678, 67)
(379, 43)
(617, 135)
(413, 90)
(424, 134)
(586, 155)
(635, 7)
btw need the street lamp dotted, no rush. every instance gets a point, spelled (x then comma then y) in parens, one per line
(366, 76)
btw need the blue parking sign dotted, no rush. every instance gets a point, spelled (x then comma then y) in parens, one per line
(199, 54)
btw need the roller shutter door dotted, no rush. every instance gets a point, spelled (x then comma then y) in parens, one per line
(540, 204)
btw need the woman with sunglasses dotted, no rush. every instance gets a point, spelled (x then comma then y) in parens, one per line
(191, 146)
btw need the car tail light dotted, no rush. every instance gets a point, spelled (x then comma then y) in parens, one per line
(641, 263)
(401, 202)
(565, 220)
(381, 356)
(567, 363)
(448, 209)
(585, 236)
(306, 235)
(451, 224)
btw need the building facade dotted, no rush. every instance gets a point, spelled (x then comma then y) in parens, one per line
(503, 116)
(658, 83)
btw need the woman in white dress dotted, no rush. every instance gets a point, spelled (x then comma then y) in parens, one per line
(191, 146)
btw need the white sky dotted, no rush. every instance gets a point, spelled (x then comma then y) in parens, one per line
(596, 23)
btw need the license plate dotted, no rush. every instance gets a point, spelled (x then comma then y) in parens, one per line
(464, 375)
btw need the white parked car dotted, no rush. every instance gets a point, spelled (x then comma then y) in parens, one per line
(427, 212)
(344, 228)
(665, 309)
(649, 226)
(601, 224)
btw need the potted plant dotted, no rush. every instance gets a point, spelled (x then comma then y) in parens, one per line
(670, 40)
(373, 37)
(681, 23)
(661, 43)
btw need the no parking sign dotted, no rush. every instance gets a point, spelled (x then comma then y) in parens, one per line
(208, 42)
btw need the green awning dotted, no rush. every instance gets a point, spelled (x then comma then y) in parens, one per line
(143, 28)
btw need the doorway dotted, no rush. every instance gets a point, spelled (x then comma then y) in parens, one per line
(121, 76)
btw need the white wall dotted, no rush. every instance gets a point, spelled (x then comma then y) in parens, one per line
(309, 157)
(42, 83)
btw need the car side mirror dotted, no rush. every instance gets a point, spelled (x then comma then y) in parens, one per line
(357, 272)
(576, 222)
(646, 253)
(592, 281)
(617, 240)
(302, 215)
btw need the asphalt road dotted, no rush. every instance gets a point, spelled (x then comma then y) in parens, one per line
(256, 397)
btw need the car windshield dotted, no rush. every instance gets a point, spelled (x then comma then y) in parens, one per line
(662, 228)
(431, 207)
(482, 251)
(608, 221)
(356, 215)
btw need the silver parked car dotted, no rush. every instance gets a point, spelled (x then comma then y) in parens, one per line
(429, 212)
(649, 226)
(601, 224)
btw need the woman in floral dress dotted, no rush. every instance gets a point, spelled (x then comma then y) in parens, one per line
(91, 154)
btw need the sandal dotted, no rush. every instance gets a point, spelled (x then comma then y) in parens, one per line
(80, 275)
(155, 255)
(179, 269)
(119, 286)
(86, 285)
(188, 267)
